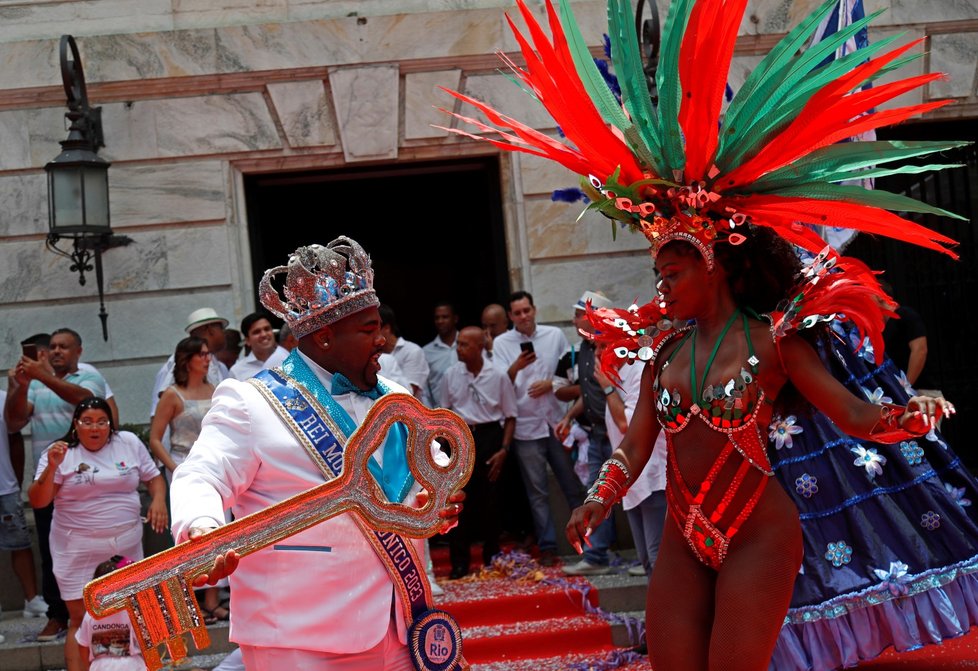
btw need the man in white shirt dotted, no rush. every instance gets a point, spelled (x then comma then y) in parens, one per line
(206, 324)
(410, 357)
(440, 352)
(326, 598)
(529, 355)
(260, 339)
(484, 397)
(494, 324)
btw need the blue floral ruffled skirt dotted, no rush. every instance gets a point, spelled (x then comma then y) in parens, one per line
(890, 531)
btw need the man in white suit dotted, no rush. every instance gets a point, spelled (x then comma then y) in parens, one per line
(325, 598)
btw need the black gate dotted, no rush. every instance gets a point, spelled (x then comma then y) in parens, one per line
(943, 291)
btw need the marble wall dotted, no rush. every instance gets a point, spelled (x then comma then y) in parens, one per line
(196, 94)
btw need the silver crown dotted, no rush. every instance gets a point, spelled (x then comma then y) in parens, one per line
(322, 285)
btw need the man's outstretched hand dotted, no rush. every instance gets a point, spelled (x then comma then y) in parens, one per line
(224, 565)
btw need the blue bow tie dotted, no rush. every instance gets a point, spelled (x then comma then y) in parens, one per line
(342, 385)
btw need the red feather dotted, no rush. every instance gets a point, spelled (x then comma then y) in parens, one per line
(779, 211)
(833, 114)
(849, 289)
(704, 62)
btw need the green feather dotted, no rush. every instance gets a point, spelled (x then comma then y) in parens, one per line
(768, 72)
(766, 127)
(669, 86)
(872, 197)
(785, 100)
(627, 61)
(848, 160)
(799, 67)
(902, 170)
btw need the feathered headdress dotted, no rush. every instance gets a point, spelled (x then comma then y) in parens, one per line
(677, 170)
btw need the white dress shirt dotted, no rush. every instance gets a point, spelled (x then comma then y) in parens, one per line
(478, 399)
(412, 361)
(536, 415)
(249, 365)
(440, 357)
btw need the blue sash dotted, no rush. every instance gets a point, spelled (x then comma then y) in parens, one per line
(322, 428)
(394, 477)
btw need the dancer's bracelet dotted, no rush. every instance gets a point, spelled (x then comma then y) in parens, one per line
(887, 428)
(610, 485)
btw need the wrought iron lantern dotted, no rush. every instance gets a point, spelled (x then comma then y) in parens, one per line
(78, 182)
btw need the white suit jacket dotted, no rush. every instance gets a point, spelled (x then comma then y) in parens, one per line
(323, 589)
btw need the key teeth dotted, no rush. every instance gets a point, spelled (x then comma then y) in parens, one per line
(177, 648)
(201, 638)
(152, 658)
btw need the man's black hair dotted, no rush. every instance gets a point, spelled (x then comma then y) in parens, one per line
(520, 295)
(42, 340)
(387, 318)
(73, 334)
(252, 319)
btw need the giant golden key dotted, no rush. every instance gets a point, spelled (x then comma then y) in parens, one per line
(158, 592)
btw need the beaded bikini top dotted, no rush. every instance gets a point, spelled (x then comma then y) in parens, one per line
(729, 408)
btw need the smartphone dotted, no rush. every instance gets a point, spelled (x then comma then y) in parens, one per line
(30, 351)
(526, 347)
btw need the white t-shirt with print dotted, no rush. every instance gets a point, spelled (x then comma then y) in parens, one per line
(98, 489)
(109, 637)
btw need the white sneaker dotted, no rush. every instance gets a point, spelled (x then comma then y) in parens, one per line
(2, 638)
(584, 567)
(638, 571)
(36, 607)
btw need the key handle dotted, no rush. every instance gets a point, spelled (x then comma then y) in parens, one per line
(441, 482)
(158, 591)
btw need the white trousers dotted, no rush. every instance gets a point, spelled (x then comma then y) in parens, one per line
(388, 655)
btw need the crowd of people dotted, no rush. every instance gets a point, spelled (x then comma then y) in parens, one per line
(682, 410)
(507, 383)
(526, 393)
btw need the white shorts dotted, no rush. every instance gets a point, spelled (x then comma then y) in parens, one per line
(77, 552)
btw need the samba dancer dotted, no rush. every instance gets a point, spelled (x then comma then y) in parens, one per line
(721, 200)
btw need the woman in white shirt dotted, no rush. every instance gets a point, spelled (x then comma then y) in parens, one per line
(92, 476)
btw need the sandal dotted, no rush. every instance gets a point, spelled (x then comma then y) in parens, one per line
(221, 613)
(209, 616)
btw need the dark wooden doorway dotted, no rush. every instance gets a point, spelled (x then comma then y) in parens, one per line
(433, 229)
(943, 291)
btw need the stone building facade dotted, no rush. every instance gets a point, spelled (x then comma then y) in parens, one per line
(199, 94)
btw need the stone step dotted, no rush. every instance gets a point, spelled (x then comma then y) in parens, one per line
(19, 654)
(619, 594)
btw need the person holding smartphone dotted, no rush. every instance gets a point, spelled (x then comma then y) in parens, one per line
(43, 390)
(528, 355)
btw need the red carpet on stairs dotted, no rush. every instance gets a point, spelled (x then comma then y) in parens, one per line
(539, 623)
(510, 624)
